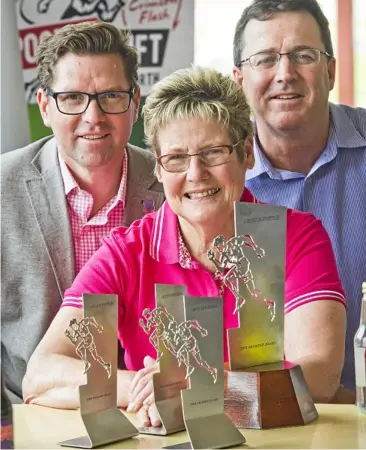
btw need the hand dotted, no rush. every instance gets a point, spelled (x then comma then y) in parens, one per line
(142, 385)
(344, 396)
(148, 415)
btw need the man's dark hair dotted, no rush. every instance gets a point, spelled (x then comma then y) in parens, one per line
(265, 9)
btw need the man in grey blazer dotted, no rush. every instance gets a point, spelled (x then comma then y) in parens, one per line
(85, 176)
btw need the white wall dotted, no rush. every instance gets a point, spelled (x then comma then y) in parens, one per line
(14, 119)
(215, 22)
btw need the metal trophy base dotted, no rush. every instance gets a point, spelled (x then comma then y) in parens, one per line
(269, 396)
(103, 427)
(210, 432)
(215, 431)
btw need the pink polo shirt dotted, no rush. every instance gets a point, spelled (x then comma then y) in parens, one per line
(131, 260)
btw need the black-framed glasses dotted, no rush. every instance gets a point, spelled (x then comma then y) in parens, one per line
(213, 156)
(300, 57)
(110, 102)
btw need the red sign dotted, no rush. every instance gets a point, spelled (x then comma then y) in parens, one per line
(30, 39)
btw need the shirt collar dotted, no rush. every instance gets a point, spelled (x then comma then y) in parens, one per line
(342, 134)
(70, 183)
(164, 244)
(262, 163)
(121, 194)
(68, 179)
(343, 129)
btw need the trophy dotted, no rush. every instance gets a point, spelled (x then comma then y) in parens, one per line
(190, 344)
(171, 378)
(263, 390)
(95, 339)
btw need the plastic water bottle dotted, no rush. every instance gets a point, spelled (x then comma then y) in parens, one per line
(360, 355)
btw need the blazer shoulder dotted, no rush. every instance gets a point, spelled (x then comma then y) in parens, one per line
(142, 162)
(17, 162)
(142, 155)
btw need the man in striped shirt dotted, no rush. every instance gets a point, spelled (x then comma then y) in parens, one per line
(310, 154)
(62, 195)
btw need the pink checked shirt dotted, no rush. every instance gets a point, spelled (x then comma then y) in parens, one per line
(88, 232)
(133, 259)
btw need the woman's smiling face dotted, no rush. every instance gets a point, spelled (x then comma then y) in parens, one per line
(201, 194)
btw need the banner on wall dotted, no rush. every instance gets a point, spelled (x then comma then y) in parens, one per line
(161, 31)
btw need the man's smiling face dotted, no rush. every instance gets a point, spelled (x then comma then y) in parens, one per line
(286, 96)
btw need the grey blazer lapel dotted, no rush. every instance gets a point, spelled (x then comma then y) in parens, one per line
(47, 196)
(141, 185)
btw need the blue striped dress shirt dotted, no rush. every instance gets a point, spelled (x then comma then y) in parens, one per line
(335, 192)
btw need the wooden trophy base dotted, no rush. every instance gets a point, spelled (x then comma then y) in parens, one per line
(269, 396)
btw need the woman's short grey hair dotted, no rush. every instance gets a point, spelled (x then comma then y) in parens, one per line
(197, 93)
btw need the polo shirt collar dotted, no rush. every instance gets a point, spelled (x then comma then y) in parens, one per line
(164, 243)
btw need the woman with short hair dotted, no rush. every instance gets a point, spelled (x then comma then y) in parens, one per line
(197, 123)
